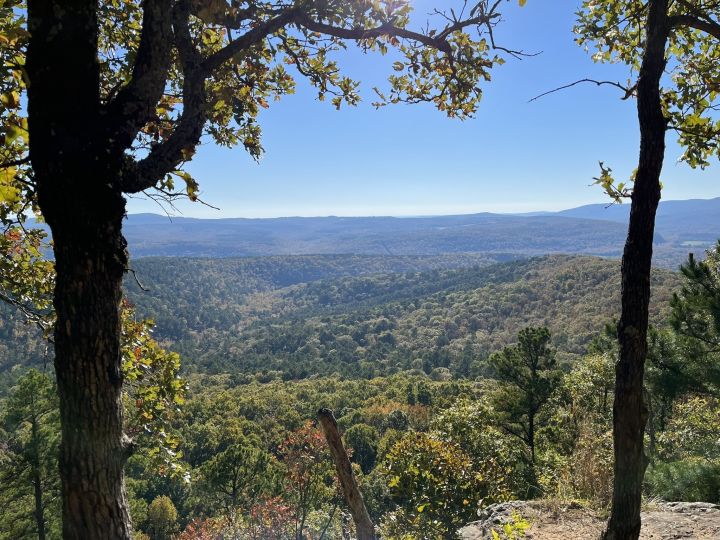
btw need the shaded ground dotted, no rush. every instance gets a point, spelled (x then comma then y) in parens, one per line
(549, 521)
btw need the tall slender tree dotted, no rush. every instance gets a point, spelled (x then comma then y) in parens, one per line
(119, 95)
(529, 373)
(672, 47)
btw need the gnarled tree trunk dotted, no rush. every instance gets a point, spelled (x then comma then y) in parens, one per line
(629, 410)
(79, 197)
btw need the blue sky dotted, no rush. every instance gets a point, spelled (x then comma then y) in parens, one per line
(514, 156)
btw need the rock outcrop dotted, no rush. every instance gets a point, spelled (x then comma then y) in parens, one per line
(554, 521)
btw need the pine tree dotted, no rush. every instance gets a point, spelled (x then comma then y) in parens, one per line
(29, 486)
(528, 375)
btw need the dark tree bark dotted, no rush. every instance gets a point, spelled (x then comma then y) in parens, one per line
(630, 411)
(531, 436)
(79, 197)
(363, 524)
(90, 260)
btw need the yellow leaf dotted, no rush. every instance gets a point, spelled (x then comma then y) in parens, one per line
(9, 194)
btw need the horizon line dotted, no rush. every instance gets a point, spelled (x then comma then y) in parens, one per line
(531, 213)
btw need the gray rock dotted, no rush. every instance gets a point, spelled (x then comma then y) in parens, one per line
(492, 517)
(690, 507)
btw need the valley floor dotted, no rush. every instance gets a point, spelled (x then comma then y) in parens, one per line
(548, 521)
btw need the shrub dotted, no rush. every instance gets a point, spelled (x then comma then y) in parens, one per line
(497, 458)
(691, 480)
(693, 430)
(363, 440)
(433, 485)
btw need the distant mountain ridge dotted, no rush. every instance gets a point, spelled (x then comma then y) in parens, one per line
(692, 218)
(491, 233)
(597, 229)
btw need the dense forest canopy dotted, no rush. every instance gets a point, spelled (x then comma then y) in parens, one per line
(361, 316)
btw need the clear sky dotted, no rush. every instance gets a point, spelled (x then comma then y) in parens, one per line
(515, 156)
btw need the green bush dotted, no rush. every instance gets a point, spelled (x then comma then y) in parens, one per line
(690, 480)
(434, 487)
(363, 440)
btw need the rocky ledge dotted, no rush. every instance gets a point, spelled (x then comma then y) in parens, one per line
(550, 520)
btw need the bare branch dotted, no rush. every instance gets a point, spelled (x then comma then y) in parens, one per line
(137, 281)
(348, 482)
(629, 91)
(32, 315)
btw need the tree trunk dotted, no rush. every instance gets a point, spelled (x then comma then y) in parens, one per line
(363, 524)
(39, 514)
(37, 480)
(90, 262)
(79, 196)
(531, 437)
(629, 410)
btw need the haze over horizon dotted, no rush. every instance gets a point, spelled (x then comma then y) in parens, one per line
(180, 215)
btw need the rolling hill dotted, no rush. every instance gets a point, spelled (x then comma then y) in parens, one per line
(357, 315)
(377, 323)
(682, 226)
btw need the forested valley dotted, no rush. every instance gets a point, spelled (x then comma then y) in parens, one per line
(427, 365)
(379, 377)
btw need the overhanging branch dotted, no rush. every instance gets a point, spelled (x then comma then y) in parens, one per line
(704, 25)
(250, 38)
(438, 42)
(166, 156)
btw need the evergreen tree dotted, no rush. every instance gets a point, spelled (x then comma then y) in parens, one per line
(695, 318)
(29, 485)
(162, 517)
(528, 374)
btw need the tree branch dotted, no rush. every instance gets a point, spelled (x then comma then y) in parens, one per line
(134, 105)
(704, 25)
(15, 162)
(438, 42)
(166, 156)
(250, 38)
(629, 91)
